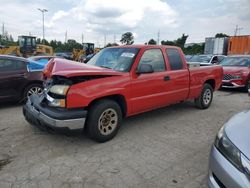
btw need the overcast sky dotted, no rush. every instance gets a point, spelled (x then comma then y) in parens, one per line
(144, 18)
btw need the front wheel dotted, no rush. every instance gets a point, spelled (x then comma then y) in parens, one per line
(205, 98)
(104, 120)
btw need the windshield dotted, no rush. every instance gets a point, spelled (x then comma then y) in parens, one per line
(236, 61)
(200, 58)
(119, 59)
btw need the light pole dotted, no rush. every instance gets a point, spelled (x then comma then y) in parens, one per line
(43, 11)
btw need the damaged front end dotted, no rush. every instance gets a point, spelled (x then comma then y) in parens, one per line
(56, 88)
(49, 108)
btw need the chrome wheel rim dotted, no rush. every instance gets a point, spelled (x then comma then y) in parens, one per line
(34, 90)
(207, 96)
(108, 121)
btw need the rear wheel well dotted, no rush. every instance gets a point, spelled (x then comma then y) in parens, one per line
(120, 99)
(28, 84)
(211, 82)
(32, 82)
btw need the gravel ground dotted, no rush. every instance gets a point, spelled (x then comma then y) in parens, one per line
(168, 147)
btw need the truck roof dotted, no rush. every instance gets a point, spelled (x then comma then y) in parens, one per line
(145, 46)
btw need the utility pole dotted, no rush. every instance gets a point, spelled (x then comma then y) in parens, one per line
(158, 37)
(82, 38)
(114, 38)
(3, 30)
(66, 36)
(104, 39)
(237, 29)
(43, 11)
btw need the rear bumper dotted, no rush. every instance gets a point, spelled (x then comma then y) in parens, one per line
(37, 114)
(223, 174)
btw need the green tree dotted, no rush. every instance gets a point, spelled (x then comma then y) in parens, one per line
(44, 41)
(111, 44)
(195, 49)
(38, 41)
(7, 41)
(127, 38)
(181, 41)
(221, 35)
(152, 42)
(167, 42)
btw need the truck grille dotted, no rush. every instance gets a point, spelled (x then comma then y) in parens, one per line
(229, 77)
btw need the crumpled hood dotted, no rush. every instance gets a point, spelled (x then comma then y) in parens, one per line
(235, 70)
(238, 131)
(66, 68)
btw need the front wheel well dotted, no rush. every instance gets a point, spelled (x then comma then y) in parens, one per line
(120, 99)
(211, 82)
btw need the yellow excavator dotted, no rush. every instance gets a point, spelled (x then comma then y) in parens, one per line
(27, 47)
(88, 48)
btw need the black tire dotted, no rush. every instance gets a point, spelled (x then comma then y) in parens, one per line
(28, 88)
(205, 98)
(100, 119)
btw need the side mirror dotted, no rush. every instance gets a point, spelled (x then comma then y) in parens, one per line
(145, 68)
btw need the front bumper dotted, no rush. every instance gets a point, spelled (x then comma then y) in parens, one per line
(231, 84)
(223, 174)
(36, 113)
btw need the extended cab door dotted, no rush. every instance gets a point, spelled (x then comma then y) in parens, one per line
(12, 77)
(148, 90)
(179, 78)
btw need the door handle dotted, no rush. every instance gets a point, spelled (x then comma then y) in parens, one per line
(166, 78)
(23, 75)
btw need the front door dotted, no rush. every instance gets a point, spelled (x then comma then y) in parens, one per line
(148, 90)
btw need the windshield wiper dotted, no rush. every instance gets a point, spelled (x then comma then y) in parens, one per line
(104, 67)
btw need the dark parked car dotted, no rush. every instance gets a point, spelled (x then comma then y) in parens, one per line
(17, 79)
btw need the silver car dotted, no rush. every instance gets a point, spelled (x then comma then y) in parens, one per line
(229, 165)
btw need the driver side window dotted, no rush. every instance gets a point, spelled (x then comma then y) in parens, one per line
(155, 58)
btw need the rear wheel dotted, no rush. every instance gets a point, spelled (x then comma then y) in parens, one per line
(205, 98)
(104, 120)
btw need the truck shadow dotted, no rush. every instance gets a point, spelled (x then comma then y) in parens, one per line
(129, 124)
(229, 91)
(10, 104)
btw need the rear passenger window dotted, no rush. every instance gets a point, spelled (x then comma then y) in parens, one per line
(11, 65)
(174, 59)
(153, 57)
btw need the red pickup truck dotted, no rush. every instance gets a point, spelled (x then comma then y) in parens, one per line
(118, 82)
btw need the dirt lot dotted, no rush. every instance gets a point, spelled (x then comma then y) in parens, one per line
(163, 148)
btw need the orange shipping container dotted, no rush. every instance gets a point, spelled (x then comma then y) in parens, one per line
(239, 45)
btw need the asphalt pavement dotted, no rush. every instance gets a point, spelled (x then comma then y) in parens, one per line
(168, 147)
